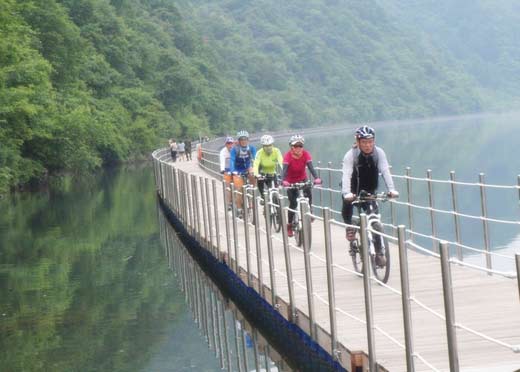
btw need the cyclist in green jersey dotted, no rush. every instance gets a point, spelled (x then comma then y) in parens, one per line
(268, 161)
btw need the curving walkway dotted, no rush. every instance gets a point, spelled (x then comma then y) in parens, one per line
(487, 304)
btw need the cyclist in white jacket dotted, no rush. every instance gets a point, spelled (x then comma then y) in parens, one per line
(225, 167)
(361, 167)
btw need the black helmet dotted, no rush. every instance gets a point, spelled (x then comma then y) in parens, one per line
(365, 132)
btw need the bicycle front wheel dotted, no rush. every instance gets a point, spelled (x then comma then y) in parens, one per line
(381, 260)
(355, 254)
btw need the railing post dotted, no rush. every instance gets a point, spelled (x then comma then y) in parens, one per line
(180, 196)
(449, 309)
(409, 194)
(258, 244)
(330, 283)
(485, 225)
(210, 222)
(173, 189)
(204, 204)
(235, 228)
(321, 188)
(270, 251)
(517, 257)
(217, 223)
(460, 256)
(329, 164)
(304, 210)
(189, 186)
(518, 183)
(246, 233)
(161, 189)
(368, 293)
(226, 221)
(393, 215)
(405, 297)
(175, 192)
(288, 264)
(195, 203)
(431, 202)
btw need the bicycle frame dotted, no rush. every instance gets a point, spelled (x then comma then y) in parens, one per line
(299, 186)
(373, 215)
(378, 249)
(297, 223)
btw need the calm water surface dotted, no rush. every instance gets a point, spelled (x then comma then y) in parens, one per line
(84, 284)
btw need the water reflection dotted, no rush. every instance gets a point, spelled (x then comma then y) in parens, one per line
(83, 284)
(233, 340)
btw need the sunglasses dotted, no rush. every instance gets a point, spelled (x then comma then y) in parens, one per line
(298, 145)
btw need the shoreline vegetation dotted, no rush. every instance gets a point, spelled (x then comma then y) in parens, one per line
(90, 83)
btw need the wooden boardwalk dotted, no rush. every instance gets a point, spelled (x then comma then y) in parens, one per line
(487, 304)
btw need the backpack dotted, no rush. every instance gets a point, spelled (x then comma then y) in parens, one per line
(249, 153)
(355, 154)
(357, 151)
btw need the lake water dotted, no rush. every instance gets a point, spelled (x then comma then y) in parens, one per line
(84, 285)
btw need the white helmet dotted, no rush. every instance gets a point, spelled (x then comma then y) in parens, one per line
(242, 134)
(266, 140)
(297, 138)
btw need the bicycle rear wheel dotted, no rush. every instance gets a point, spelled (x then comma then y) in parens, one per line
(276, 214)
(298, 233)
(381, 264)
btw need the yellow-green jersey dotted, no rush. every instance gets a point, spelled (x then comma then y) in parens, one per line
(266, 163)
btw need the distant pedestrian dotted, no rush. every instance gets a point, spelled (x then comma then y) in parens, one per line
(180, 150)
(173, 149)
(187, 149)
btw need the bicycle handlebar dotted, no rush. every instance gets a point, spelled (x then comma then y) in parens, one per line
(382, 196)
(299, 185)
(263, 177)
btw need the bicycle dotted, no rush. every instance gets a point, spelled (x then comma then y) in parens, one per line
(246, 200)
(273, 201)
(378, 244)
(298, 224)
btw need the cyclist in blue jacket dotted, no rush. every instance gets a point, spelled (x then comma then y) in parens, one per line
(241, 161)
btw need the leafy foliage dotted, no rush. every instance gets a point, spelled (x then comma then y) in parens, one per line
(84, 83)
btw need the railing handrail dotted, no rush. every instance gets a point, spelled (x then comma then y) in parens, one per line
(208, 164)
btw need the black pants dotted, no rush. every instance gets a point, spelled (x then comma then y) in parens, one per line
(174, 156)
(263, 185)
(348, 209)
(292, 194)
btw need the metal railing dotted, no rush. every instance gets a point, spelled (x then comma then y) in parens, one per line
(190, 198)
(409, 210)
